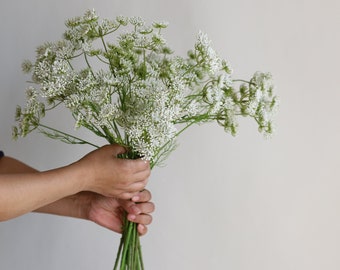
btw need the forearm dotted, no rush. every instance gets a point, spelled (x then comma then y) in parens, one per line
(10, 165)
(29, 190)
(70, 206)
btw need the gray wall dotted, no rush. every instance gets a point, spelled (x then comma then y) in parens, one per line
(241, 203)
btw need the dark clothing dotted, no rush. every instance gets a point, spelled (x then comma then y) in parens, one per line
(1, 154)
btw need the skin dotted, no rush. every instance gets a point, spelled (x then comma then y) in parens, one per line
(98, 187)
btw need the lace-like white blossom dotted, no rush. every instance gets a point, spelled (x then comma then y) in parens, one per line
(128, 88)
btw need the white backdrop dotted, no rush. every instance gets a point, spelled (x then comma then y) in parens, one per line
(241, 203)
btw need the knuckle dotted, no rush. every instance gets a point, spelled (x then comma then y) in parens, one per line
(126, 196)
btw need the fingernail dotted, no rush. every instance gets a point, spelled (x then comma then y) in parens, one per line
(141, 229)
(135, 198)
(131, 217)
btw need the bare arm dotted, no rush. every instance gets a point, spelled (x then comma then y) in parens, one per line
(23, 189)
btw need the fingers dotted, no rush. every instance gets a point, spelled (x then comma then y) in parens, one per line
(135, 209)
(141, 165)
(116, 149)
(139, 209)
(140, 213)
(133, 188)
(142, 230)
(144, 219)
(143, 196)
(133, 192)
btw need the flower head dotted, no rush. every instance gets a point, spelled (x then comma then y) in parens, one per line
(129, 88)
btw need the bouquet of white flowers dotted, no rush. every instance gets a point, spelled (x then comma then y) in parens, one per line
(128, 88)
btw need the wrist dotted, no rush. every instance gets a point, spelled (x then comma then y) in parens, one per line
(80, 177)
(76, 206)
(83, 177)
(82, 203)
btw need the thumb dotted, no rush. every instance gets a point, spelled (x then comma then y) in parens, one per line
(117, 149)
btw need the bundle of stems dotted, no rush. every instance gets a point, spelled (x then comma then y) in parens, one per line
(129, 254)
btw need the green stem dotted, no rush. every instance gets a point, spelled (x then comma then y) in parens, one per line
(119, 252)
(108, 58)
(129, 255)
(132, 257)
(88, 64)
(54, 106)
(127, 240)
(68, 135)
(244, 81)
(140, 254)
(152, 164)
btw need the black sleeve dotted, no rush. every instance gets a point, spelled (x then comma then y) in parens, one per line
(1, 154)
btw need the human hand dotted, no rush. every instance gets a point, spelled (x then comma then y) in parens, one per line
(104, 173)
(109, 212)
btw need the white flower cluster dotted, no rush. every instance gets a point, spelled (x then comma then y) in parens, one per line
(131, 90)
(206, 55)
